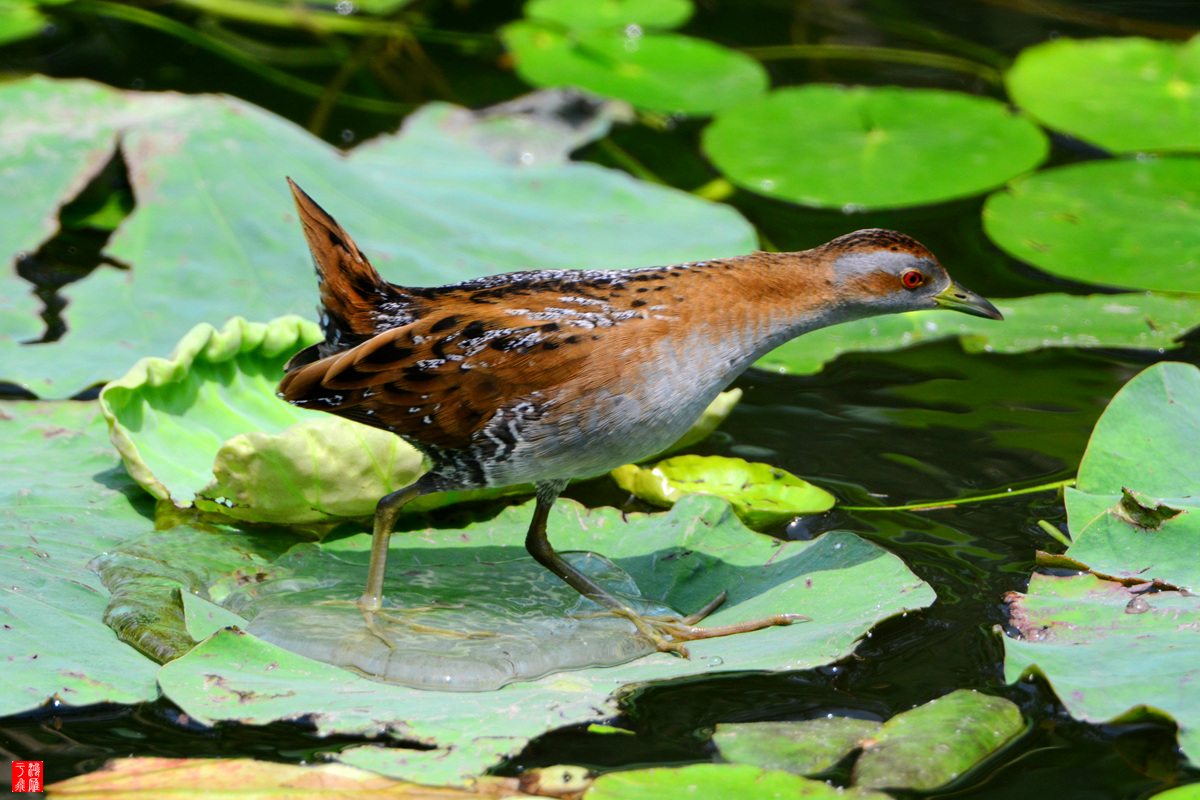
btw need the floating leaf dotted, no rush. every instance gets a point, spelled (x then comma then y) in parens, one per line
(1144, 443)
(1103, 646)
(1134, 224)
(656, 14)
(716, 782)
(1105, 649)
(263, 780)
(919, 749)
(837, 147)
(681, 558)
(63, 498)
(656, 71)
(761, 495)
(429, 206)
(1142, 321)
(1125, 95)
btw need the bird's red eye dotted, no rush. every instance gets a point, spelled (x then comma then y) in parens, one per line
(912, 279)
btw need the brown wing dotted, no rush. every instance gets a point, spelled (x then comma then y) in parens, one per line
(439, 380)
(356, 301)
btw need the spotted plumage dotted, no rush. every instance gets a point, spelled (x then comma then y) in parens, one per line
(547, 375)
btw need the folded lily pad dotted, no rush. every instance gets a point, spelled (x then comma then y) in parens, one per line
(919, 749)
(871, 147)
(1143, 321)
(1126, 95)
(1132, 224)
(761, 495)
(1103, 641)
(681, 558)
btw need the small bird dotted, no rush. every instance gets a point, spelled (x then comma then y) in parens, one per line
(549, 375)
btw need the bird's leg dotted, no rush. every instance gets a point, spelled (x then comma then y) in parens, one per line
(667, 634)
(371, 602)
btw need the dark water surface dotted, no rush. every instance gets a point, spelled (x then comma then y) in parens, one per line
(921, 424)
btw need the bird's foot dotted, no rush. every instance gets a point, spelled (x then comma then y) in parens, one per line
(374, 613)
(668, 633)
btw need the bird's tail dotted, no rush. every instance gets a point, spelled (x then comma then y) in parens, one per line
(356, 303)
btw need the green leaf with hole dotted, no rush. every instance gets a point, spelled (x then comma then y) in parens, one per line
(1104, 642)
(1143, 321)
(214, 231)
(920, 749)
(860, 147)
(63, 499)
(1126, 95)
(1135, 511)
(762, 496)
(651, 14)
(1133, 224)
(681, 558)
(663, 72)
(716, 782)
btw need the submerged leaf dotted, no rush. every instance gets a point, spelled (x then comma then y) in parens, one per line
(762, 495)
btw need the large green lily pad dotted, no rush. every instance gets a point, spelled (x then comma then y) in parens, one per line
(429, 206)
(716, 782)
(1133, 224)
(881, 147)
(205, 428)
(664, 72)
(655, 14)
(1126, 95)
(1101, 639)
(63, 499)
(1143, 321)
(922, 748)
(761, 495)
(681, 558)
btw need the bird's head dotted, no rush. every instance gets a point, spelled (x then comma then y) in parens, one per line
(878, 271)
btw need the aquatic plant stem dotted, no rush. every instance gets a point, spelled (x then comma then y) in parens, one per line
(1045, 487)
(186, 33)
(1054, 533)
(863, 53)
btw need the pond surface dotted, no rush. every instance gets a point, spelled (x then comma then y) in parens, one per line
(921, 424)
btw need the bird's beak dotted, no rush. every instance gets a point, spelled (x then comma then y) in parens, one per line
(957, 298)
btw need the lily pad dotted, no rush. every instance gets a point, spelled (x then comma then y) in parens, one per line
(920, 749)
(264, 780)
(1133, 224)
(1143, 321)
(716, 782)
(63, 498)
(664, 72)
(1106, 646)
(1104, 655)
(681, 558)
(429, 206)
(205, 428)
(761, 495)
(851, 148)
(1126, 95)
(655, 14)
(1141, 457)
